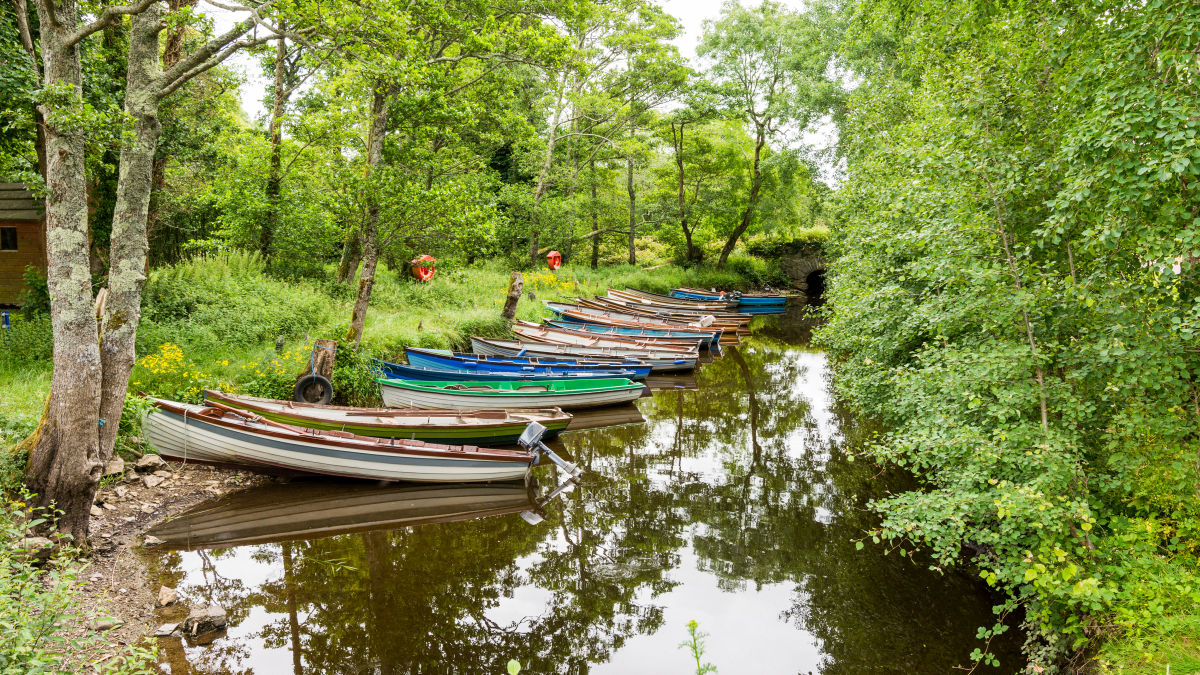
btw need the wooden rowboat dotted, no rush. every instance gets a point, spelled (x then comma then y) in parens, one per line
(744, 299)
(591, 315)
(467, 362)
(566, 394)
(397, 371)
(549, 334)
(707, 340)
(725, 319)
(665, 302)
(219, 434)
(658, 360)
(494, 427)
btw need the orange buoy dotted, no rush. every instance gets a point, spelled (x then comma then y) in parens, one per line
(423, 267)
(554, 260)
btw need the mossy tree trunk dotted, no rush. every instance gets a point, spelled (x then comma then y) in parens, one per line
(370, 231)
(94, 342)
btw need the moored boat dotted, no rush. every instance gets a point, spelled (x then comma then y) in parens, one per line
(466, 362)
(218, 434)
(565, 394)
(708, 340)
(666, 302)
(538, 333)
(398, 371)
(591, 315)
(724, 319)
(658, 360)
(495, 427)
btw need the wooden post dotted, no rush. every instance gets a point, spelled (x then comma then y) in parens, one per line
(321, 361)
(514, 294)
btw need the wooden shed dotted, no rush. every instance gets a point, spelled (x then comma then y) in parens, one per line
(22, 240)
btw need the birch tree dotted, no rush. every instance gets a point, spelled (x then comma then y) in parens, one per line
(768, 67)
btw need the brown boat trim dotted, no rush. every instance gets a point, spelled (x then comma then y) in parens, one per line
(638, 354)
(652, 341)
(553, 414)
(330, 437)
(627, 323)
(718, 317)
(671, 303)
(545, 335)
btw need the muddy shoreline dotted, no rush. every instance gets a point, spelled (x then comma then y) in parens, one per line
(116, 583)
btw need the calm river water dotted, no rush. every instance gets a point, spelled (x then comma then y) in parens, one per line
(724, 498)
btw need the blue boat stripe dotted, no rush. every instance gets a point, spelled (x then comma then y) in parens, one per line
(381, 457)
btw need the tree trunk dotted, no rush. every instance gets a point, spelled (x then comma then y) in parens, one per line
(64, 464)
(351, 256)
(691, 253)
(514, 295)
(128, 245)
(748, 214)
(370, 232)
(543, 181)
(632, 210)
(595, 220)
(275, 178)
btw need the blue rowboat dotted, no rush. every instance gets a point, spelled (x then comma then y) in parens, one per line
(697, 294)
(477, 363)
(396, 371)
(745, 300)
(764, 300)
(710, 339)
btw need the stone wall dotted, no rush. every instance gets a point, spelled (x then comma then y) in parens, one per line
(799, 265)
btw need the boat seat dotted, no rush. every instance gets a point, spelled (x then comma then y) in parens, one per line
(533, 387)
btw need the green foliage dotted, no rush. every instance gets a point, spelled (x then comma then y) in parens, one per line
(46, 627)
(1014, 295)
(225, 301)
(354, 375)
(36, 298)
(27, 340)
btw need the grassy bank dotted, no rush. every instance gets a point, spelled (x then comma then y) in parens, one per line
(214, 322)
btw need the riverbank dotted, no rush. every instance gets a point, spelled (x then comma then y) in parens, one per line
(224, 322)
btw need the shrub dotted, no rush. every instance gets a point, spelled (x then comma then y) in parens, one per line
(354, 374)
(27, 340)
(46, 628)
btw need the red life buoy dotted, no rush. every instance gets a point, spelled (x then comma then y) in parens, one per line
(423, 267)
(554, 260)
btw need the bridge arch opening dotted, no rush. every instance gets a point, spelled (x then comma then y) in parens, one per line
(815, 284)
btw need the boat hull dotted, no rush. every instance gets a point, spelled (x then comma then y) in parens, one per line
(708, 340)
(659, 362)
(399, 371)
(185, 435)
(448, 427)
(494, 364)
(399, 393)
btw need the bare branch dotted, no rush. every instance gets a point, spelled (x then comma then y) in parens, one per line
(170, 87)
(109, 15)
(27, 37)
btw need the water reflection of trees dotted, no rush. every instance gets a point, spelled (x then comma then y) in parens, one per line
(739, 468)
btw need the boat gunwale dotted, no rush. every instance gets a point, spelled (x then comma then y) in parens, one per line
(544, 416)
(339, 439)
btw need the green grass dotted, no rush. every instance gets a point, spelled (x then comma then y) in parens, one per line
(214, 321)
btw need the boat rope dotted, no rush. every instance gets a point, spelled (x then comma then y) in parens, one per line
(185, 436)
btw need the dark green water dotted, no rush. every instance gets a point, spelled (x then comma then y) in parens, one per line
(731, 504)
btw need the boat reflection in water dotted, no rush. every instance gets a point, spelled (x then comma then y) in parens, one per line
(321, 508)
